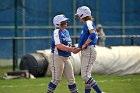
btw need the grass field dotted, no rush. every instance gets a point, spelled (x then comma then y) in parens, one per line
(110, 84)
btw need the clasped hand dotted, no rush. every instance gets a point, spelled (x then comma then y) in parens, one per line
(76, 50)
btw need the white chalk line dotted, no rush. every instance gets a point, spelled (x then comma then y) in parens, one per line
(116, 80)
(11, 86)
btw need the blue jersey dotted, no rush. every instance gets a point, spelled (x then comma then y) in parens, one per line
(85, 34)
(61, 37)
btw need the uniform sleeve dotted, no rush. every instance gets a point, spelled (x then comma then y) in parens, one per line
(56, 37)
(70, 41)
(80, 45)
(89, 25)
(80, 41)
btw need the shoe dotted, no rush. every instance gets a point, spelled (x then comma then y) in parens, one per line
(103, 92)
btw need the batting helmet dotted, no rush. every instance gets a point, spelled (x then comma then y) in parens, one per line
(83, 11)
(58, 19)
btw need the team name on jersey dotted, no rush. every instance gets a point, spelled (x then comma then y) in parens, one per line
(66, 39)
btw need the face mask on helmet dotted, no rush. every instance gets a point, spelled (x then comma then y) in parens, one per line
(77, 17)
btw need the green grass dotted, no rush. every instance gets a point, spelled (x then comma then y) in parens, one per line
(110, 84)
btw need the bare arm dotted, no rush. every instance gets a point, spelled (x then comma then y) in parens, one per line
(76, 50)
(64, 48)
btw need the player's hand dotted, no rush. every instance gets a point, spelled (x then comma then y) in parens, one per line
(76, 50)
(71, 49)
(84, 46)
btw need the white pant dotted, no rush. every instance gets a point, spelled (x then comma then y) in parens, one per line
(61, 66)
(88, 57)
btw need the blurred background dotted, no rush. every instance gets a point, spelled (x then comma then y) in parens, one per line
(26, 25)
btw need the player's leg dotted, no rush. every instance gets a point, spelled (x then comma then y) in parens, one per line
(57, 66)
(69, 75)
(85, 73)
(91, 81)
(87, 60)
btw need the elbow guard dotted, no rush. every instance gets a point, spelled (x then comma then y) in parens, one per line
(92, 36)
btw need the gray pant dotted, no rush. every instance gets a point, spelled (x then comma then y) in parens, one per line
(61, 66)
(88, 57)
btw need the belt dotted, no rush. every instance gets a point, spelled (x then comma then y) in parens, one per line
(92, 45)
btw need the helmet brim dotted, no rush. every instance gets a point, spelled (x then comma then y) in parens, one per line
(65, 19)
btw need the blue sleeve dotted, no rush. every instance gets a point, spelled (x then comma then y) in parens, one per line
(92, 36)
(60, 37)
(80, 43)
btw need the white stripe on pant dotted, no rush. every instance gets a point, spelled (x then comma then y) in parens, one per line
(61, 66)
(88, 57)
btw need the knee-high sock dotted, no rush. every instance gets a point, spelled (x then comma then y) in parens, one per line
(87, 88)
(51, 87)
(94, 85)
(73, 88)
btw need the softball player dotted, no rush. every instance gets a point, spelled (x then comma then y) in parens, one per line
(61, 51)
(87, 42)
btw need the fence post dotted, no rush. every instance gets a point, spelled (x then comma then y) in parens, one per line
(132, 40)
(14, 54)
(16, 34)
(123, 21)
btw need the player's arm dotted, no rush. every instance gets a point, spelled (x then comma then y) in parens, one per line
(92, 34)
(64, 48)
(76, 50)
(58, 43)
(91, 37)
